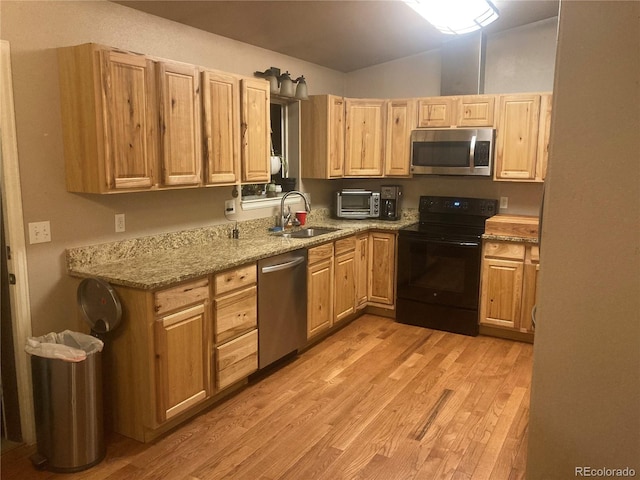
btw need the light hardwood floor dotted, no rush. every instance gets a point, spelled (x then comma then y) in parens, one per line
(377, 400)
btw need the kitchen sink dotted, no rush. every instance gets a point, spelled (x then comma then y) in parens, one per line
(307, 232)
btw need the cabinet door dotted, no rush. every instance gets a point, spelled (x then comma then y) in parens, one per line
(255, 131)
(221, 110)
(182, 360)
(543, 136)
(344, 285)
(180, 124)
(362, 269)
(382, 254)
(319, 296)
(476, 111)
(401, 118)
(517, 137)
(500, 303)
(336, 136)
(436, 112)
(364, 142)
(130, 120)
(529, 287)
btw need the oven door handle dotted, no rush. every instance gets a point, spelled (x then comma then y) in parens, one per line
(457, 243)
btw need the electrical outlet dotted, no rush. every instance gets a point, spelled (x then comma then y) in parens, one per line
(120, 223)
(504, 202)
(39, 232)
(229, 207)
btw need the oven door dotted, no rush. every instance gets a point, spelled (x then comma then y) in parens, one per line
(440, 272)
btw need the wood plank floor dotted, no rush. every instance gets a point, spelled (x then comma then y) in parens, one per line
(377, 400)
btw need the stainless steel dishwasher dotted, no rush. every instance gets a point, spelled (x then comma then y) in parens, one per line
(282, 305)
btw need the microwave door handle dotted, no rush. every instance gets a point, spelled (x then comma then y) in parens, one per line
(472, 151)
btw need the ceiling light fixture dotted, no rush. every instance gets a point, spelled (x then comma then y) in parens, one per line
(456, 17)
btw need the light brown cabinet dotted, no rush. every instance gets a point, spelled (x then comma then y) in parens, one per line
(322, 136)
(364, 137)
(456, 111)
(255, 130)
(401, 119)
(235, 316)
(344, 278)
(382, 264)
(182, 348)
(180, 124)
(109, 118)
(522, 137)
(320, 282)
(132, 122)
(221, 127)
(362, 269)
(182, 352)
(508, 285)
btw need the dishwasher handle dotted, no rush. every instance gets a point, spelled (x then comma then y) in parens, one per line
(283, 266)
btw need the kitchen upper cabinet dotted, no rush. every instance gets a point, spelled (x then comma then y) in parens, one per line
(180, 124)
(456, 111)
(436, 112)
(476, 111)
(221, 127)
(133, 123)
(255, 131)
(109, 118)
(364, 140)
(322, 136)
(401, 119)
(522, 137)
(382, 265)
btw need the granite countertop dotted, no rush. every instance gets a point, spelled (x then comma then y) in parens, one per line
(153, 262)
(510, 238)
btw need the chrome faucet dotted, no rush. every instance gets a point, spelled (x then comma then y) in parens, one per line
(285, 219)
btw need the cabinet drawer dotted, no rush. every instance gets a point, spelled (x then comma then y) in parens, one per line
(177, 297)
(320, 252)
(233, 279)
(513, 251)
(236, 359)
(345, 245)
(234, 314)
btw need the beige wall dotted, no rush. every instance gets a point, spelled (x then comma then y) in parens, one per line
(585, 402)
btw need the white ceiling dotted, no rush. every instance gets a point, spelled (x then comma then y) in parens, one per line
(339, 34)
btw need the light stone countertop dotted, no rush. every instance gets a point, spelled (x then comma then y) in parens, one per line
(509, 238)
(154, 262)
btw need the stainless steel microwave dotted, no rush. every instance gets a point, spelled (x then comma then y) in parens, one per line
(357, 203)
(453, 151)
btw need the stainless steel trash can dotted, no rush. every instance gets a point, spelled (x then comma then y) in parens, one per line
(68, 412)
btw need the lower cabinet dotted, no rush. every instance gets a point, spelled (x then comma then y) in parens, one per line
(344, 278)
(182, 353)
(319, 289)
(235, 322)
(347, 275)
(382, 269)
(508, 285)
(178, 349)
